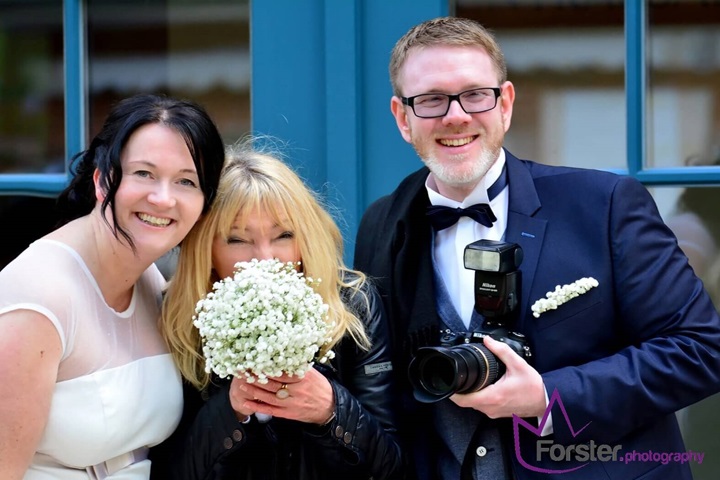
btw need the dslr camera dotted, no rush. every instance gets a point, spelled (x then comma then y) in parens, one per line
(462, 364)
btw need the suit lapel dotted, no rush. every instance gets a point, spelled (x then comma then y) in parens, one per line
(413, 291)
(412, 287)
(522, 227)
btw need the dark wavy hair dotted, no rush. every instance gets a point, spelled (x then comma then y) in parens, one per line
(187, 118)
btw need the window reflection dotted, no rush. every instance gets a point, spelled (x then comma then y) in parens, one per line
(32, 124)
(567, 62)
(684, 82)
(24, 220)
(193, 49)
(693, 216)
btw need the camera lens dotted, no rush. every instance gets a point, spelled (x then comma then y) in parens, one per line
(438, 372)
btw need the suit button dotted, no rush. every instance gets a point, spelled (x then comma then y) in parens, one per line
(205, 395)
(228, 443)
(481, 451)
(347, 438)
(237, 435)
(339, 431)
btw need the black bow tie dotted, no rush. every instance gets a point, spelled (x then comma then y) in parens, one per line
(442, 217)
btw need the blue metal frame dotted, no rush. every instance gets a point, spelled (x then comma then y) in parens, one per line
(320, 84)
(322, 87)
(342, 95)
(50, 184)
(636, 90)
(75, 74)
(36, 184)
(635, 83)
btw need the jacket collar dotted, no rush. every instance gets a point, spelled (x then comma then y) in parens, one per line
(523, 227)
(411, 255)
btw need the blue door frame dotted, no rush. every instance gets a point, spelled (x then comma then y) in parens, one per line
(320, 84)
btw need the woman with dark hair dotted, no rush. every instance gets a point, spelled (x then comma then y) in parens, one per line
(89, 383)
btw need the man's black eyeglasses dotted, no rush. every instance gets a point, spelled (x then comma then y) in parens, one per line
(434, 105)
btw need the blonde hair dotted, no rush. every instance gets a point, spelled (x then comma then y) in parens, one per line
(253, 179)
(445, 31)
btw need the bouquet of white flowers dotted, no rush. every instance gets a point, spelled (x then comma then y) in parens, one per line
(263, 321)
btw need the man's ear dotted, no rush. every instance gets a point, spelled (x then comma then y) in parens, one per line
(401, 118)
(506, 103)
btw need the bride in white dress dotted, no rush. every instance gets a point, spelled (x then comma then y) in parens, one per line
(88, 384)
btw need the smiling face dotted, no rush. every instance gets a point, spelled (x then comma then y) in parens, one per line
(159, 199)
(458, 148)
(261, 237)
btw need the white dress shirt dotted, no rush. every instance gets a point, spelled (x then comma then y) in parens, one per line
(450, 243)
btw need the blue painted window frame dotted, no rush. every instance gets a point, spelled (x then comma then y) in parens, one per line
(50, 184)
(636, 21)
(340, 71)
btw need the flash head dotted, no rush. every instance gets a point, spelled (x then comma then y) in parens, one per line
(461, 363)
(493, 256)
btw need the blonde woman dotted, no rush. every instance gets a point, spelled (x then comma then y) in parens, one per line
(335, 422)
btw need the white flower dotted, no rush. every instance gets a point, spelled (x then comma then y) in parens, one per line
(263, 321)
(562, 294)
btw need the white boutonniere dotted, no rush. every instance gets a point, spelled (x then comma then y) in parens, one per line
(562, 294)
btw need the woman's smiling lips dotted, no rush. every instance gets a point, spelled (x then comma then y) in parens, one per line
(154, 221)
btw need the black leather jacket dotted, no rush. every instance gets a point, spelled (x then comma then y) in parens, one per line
(360, 443)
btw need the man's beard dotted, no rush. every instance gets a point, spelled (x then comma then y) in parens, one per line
(450, 175)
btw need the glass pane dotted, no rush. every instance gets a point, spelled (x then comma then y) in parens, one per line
(194, 49)
(567, 62)
(28, 218)
(693, 214)
(684, 83)
(32, 123)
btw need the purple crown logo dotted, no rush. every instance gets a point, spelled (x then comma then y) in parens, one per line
(517, 421)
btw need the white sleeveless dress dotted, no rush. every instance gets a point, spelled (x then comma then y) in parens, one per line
(118, 390)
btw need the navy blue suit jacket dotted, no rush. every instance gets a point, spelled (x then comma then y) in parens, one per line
(624, 356)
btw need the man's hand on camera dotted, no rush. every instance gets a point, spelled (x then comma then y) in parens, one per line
(519, 391)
